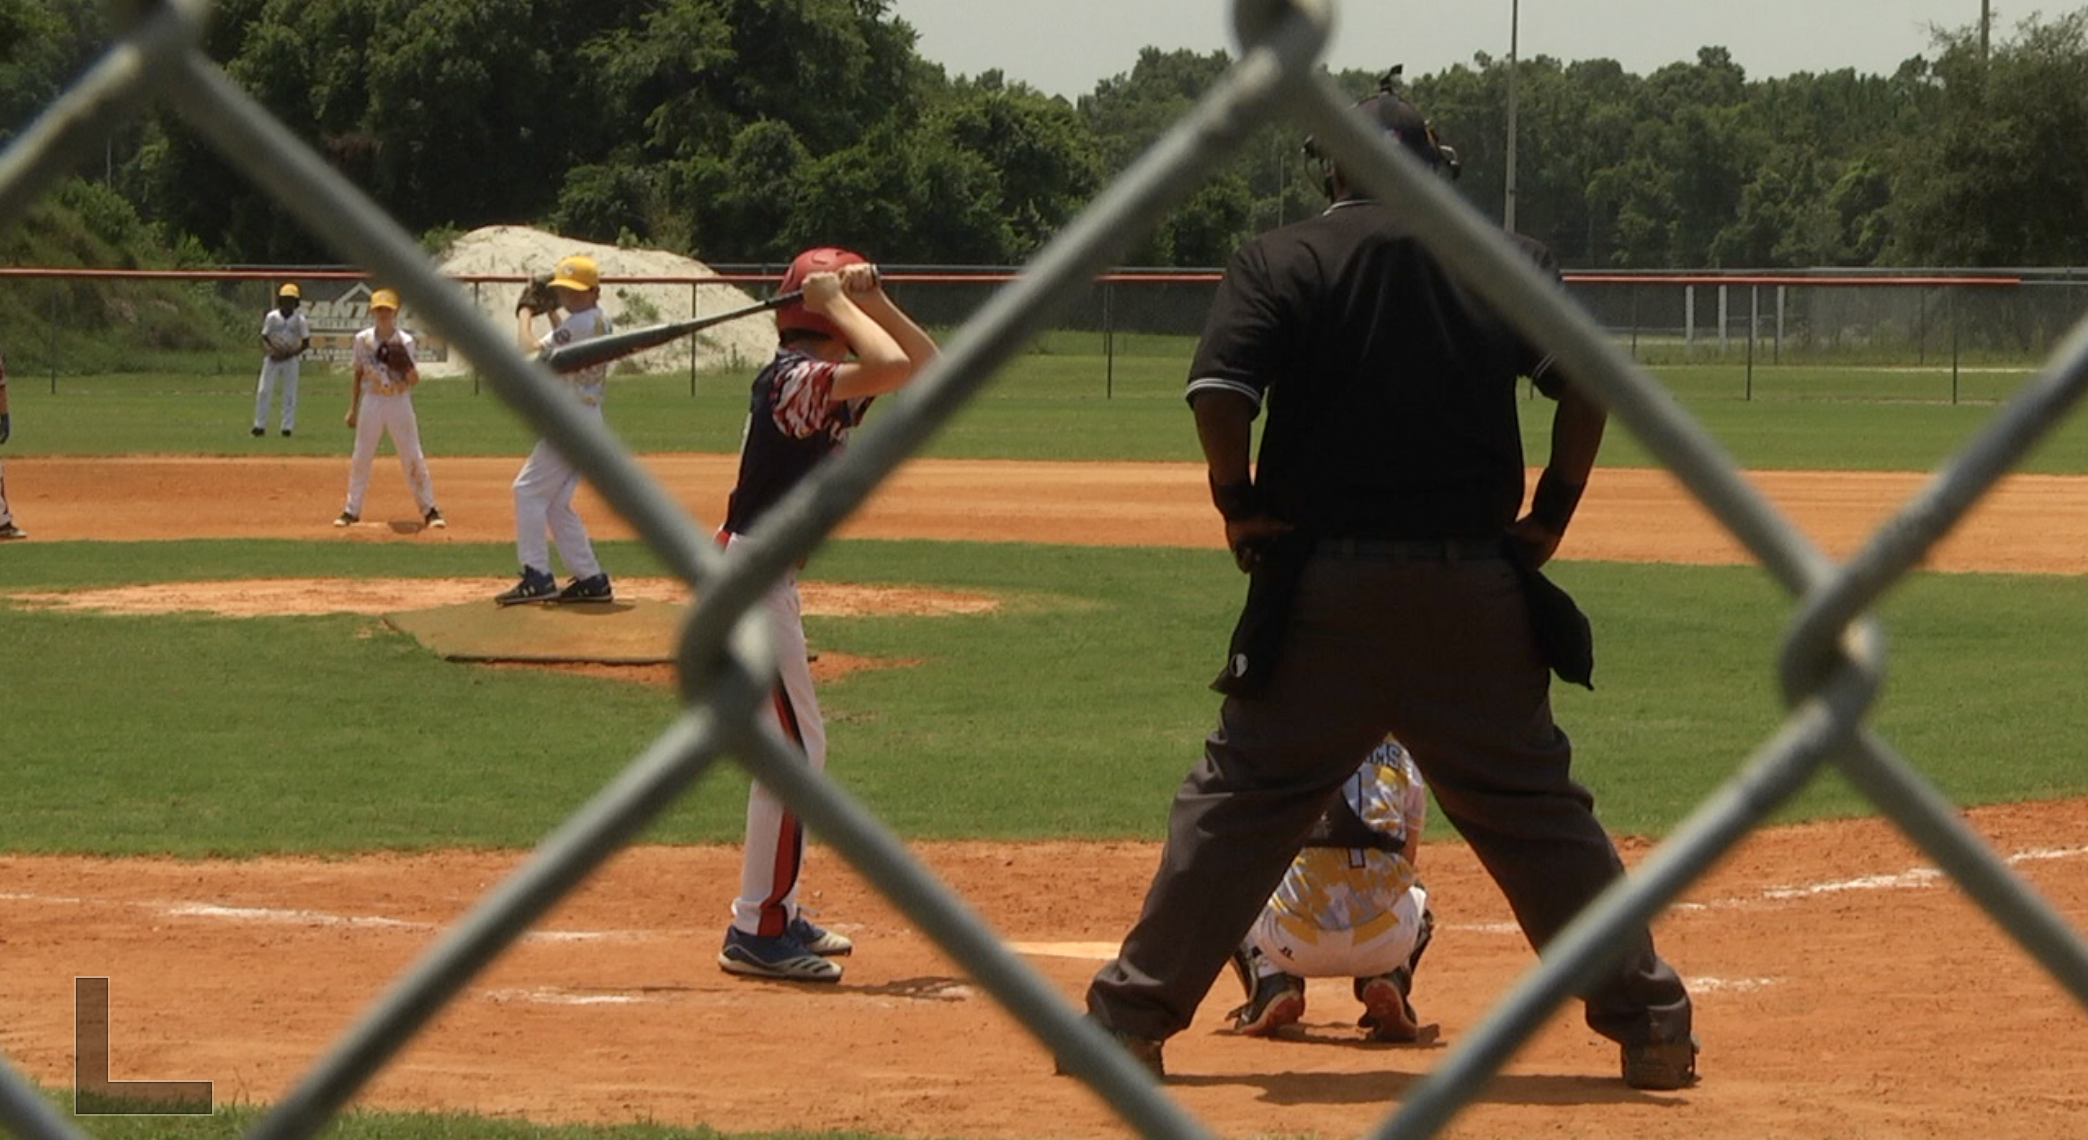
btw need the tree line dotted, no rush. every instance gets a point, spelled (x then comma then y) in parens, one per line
(743, 130)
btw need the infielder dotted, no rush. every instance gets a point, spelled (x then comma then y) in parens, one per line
(285, 337)
(8, 529)
(1351, 906)
(845, 343)
(544, 488)
(381, 399)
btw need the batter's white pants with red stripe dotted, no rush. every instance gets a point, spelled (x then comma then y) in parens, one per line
(376, 415)
(775, 838)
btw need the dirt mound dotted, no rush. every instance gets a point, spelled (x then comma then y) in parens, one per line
(738, 345)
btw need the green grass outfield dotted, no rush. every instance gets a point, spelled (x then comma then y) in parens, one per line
(1071, 713)
(1042, 406)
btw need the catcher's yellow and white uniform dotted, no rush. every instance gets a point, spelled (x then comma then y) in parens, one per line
(1353, 911)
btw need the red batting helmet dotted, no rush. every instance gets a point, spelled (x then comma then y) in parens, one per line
(824, 259)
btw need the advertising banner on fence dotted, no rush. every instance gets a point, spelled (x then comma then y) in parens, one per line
(336, 315)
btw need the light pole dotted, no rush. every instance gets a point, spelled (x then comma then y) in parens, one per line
(1986, 14)
(1514, 26)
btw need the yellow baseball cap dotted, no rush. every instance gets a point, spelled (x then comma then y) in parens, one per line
(289, 290)
(384, 299)
(577, 272)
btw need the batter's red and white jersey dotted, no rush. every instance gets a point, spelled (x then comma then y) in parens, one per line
(793, 422)
(1356, 888)
(592, 383)
(285, 333)
(375, 378)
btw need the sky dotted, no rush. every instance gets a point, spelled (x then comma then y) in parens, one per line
(1063, 47)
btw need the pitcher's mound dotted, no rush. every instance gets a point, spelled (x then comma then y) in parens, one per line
(636, 632)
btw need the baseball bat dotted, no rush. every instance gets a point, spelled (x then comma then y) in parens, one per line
(616, 346)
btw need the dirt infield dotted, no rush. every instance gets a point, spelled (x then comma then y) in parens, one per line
(1845, 990)
(2032, 523)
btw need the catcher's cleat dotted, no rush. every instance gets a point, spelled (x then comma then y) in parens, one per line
(1387, 1013)
(818, 939)
(1661, 1066)
(595, 589)
(535, 586)
(433, 519)
(347, 518)
(1273, 1000)
(781, 957)
(10, 531)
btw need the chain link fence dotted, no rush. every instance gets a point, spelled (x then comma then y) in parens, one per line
(1831, 662)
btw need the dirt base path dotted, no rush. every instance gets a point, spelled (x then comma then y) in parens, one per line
(1844, 989)
(2033, 523)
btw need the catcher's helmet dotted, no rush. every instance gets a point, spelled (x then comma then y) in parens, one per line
(822, 259)
(1402, 120)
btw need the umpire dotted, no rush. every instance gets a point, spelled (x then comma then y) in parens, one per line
(1380, 531)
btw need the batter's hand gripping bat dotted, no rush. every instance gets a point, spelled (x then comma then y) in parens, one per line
(616, 346)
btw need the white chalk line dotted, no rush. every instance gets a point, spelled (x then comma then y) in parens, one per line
(1914, 878)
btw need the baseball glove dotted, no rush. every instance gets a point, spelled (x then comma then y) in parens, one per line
(393, 356)
(538, 296)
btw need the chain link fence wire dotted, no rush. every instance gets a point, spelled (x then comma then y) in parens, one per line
(1832, 662)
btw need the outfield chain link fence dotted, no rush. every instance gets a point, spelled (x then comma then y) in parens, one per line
(1831, 664)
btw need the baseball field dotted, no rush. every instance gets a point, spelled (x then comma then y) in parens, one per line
(244, 791)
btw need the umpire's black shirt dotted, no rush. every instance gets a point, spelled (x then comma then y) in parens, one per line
(1390, 389)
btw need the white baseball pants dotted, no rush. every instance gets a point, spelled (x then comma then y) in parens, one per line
(775, 848)
(6, 516)
(377, 415)
(275, 375)
(1339, 953)
(544, 505)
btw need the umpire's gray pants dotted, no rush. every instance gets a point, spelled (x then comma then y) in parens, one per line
(1438, 652)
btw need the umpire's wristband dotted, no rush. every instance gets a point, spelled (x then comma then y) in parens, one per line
(1553, 504)
(1236, 501)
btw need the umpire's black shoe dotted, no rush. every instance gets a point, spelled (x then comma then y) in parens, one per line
(591, 589)
(1661, 1066)
(1143, 1050)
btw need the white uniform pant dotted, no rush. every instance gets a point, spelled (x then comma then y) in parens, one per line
(544, 505)
(276, 374)
(1340, 953)
(775, 838)
(6, 516)
(377, 415)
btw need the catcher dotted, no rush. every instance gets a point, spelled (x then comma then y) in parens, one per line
(380, 399)
(1351, 906)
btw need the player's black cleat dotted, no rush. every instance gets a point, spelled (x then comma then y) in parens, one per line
(535, 586)
(347, 518)
(1273, 1000)
(433, 519)
(259, 432)
(593, 589)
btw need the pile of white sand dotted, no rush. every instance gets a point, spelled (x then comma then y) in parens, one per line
(742, 345)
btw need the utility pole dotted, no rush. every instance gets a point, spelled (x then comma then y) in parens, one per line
(1514, 27)
(1986, 16)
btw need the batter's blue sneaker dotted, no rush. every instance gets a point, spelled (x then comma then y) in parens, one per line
(781, 957)
(818, 939)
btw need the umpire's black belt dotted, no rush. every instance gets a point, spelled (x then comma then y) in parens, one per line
(1409, 549)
